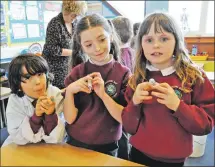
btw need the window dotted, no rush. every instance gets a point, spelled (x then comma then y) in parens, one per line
(134, 10)
(193, 10)
(210, 18)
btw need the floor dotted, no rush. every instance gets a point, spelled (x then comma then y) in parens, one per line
(208, 158)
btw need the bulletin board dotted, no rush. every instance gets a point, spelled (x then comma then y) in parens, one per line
(3, 26)
(26, 21)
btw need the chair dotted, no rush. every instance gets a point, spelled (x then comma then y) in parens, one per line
(4, 135)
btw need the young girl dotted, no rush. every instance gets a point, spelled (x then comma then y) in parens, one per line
(163, 116)
(123, 28)
(34, 105)
(95, 89)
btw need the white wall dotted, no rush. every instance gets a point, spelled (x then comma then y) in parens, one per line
(134, 10)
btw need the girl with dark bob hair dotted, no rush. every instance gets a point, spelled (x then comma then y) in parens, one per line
(94, 96)
(34, 104)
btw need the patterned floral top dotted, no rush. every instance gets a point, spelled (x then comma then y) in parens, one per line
(57, 37)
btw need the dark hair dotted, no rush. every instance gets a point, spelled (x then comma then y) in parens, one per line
(186, 70)
(123, 28)
(92, 20)
(136, 28)
(33, 64)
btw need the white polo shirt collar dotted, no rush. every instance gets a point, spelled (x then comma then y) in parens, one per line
(165, 72)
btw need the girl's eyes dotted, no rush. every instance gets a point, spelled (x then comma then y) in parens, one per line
(28, 76)
(40, 74)
(148, 40)
(102, 40)
(88, 45)
(164, 39)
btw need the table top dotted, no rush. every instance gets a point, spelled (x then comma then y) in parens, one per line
(43, 154)
(5, 92)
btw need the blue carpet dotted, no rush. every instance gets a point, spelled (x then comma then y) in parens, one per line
(208, 158)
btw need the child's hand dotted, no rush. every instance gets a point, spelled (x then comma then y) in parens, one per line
(38, 109)
(79, 86)
(48, 105)
(166, 96)
(142, 93)
(98, 84)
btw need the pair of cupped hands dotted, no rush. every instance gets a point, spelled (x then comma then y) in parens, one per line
(88, 83)
(162, 92)
(45, 105)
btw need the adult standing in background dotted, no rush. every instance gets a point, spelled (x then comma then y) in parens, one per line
(57, 48)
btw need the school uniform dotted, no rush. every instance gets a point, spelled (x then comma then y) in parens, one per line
(127, 56)
(25, 127)
(160, 136)
(94, 128)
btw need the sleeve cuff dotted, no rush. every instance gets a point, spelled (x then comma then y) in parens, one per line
(60, 51)
(132, 107)
(131, 104)
(50, 118)
(181, 112)
(36, 119)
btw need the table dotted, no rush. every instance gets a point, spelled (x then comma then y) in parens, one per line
(62, 154)
(5, 93)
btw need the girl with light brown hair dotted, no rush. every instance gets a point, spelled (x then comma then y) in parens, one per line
(163, 115)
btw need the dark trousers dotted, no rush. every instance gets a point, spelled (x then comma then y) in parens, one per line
(124, 146)
(139, 157)
(109, 149)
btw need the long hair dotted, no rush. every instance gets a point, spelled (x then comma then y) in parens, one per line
(33, 64)
(89, 21)
(186, 70)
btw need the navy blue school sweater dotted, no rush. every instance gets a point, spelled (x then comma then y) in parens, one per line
(163, 134)
(94, 124)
